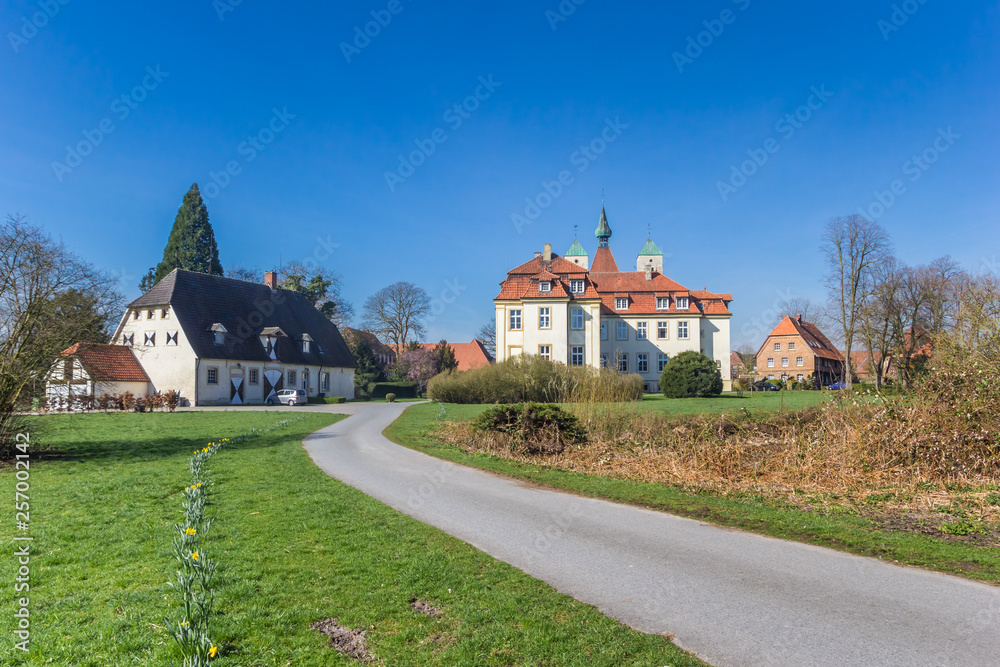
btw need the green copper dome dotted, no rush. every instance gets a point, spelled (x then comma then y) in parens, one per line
(576, 250)
(603, 232)
(650, 248)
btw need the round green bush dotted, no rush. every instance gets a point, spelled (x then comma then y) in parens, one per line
(690, 375)
(390, 397)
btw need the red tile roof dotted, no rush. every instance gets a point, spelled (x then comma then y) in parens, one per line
(108, 363)
(818, 343)
(469, 355)
(605, 282)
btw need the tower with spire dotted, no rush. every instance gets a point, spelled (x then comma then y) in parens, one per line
(650, 258)
(603, 232)
(577, 254)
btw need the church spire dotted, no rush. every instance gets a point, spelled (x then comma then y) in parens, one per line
(603, 232)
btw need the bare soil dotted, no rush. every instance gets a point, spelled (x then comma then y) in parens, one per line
(346, 640)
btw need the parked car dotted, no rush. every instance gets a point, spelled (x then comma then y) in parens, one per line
(837, 385)
(289, 397)
(761, 385)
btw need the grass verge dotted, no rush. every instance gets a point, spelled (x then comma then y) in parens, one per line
(294, 547)
(846, 530)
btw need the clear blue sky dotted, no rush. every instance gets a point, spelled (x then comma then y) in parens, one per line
(886, 91)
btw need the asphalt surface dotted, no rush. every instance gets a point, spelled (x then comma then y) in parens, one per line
(732, 598)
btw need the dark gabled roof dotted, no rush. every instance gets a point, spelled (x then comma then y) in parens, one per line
(200, 300)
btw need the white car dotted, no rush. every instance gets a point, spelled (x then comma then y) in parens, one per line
(289, 397)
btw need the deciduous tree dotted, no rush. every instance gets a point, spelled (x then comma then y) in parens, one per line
(396, 313)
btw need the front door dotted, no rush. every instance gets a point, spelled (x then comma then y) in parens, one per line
(236, 391)
(274, 381)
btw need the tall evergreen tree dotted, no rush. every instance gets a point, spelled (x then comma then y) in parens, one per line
(445, 357)
(191, 244)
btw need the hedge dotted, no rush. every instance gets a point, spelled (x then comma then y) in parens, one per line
(400, 389)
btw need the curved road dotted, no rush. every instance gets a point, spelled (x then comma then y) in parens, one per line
(732, 598)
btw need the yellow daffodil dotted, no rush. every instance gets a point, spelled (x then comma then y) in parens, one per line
(190, 531)
(198, 485)
(212, 652)
(184, 624)
(194, 556)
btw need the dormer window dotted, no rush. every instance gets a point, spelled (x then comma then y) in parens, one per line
(621, 303)
(545, 286)
(305, 343)
(218, 334)
(576, 287)
(663, 303)
(682, 303)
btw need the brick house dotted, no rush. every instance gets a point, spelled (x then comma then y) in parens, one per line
(798, 350)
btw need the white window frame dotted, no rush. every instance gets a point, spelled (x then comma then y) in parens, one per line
(682, 302)
(544, 286)
(777, 347)
(577, 286)
(622, 365)
(544, 317)
(621, 330)
(799, 361)
(663, 330)
(253, 376)
(640, 330)
(663, 303)
(661, 361)
(212, 375)
(642, 362)
(577, 356)
(290, 378)
(784, 362)
(621, 303)
(791, 346)
(577, 318)
(545, 351)
(770, 362)
(515, 318)
(683, 330)
(325, 382)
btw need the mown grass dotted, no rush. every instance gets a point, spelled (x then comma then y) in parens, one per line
(765, 401)
(846, 529)
(293, 545)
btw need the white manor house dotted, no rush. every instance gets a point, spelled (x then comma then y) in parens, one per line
(592, 314)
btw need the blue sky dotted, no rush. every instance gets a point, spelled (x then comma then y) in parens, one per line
(684, 96)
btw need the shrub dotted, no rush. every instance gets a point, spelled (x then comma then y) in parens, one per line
(690, 374)
(390, 397)
(400, 389)
(324, 400)
(171, 399)
(127, 401)
(540, 428)
(531, 378)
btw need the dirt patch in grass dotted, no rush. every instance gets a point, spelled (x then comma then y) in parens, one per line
(425, 607)
(346, 640)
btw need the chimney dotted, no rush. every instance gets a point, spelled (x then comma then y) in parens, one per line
(538, 255)
(649, 272)
(547, 256)
(271, 279)
(799, 318)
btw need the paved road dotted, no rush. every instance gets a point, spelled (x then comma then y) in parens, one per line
(733, 598)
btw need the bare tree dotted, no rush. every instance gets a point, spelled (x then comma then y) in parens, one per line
(250, 274)
(395, 314)
(488, 337)
(854, 247)
(877, 316)
(810, 312)
(326, 289)
(49, 299)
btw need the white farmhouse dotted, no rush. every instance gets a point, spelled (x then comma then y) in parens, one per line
(220, 341)
(581, 313)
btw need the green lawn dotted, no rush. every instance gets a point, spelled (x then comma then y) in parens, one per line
(768, 401)
(845, 530)
(294, 546)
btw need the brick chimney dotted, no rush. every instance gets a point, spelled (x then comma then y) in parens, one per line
(799, 318)
(271, 279)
